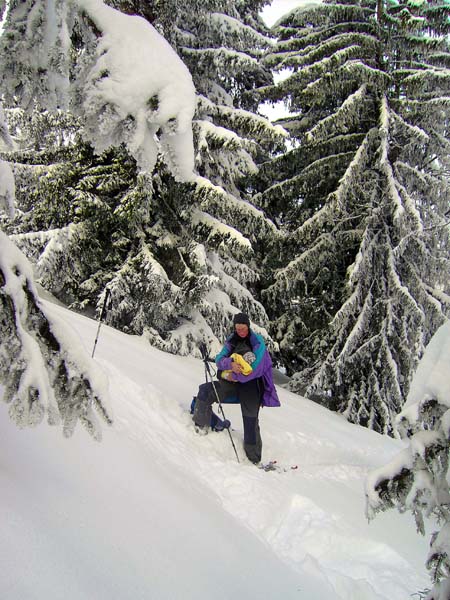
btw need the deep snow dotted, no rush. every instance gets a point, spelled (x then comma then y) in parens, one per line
(155, 511)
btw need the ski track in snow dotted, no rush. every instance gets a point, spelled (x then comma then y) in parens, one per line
(306, 516)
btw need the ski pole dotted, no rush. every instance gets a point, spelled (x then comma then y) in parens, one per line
(102, 316)
(208, 372)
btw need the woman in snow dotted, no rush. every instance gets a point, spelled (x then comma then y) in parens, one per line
(250, 390)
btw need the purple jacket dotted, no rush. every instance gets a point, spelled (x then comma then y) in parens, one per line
(262, 367)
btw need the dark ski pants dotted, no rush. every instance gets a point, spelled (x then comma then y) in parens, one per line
(248, 395)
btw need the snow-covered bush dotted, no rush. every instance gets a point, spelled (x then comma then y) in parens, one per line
(417, 479)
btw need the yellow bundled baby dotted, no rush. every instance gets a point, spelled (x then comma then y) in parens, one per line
(245, 361)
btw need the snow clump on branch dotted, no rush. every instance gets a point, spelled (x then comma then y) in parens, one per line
(138, 92)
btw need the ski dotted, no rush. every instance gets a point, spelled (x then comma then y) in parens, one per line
(272, 465)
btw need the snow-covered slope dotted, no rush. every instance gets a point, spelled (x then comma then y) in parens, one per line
(155, 511)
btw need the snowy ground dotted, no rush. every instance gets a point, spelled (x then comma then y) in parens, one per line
(157, 512)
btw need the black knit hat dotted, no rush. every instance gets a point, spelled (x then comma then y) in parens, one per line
(241, 319)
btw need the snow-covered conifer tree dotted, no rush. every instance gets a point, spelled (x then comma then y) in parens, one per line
(365, 286)
(417, 479)
(43, 370)
(146, 235)
(329, 54)
(220, 232)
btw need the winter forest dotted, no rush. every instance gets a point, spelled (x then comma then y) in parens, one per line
(136, 164)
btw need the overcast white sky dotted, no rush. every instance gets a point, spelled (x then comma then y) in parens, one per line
(278, 8)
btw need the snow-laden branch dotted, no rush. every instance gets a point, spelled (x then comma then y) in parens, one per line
(219, 230)
(416, 479)
(43, 368)
(7, 188)
(333, 49)
(137, 89)
(350, 70)
(309, 73)
(243, 122)
(225, 27)
(222, 55)
(216, 201)
(385, 164)
(7, 184)
(435, 79)
(343, 119)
